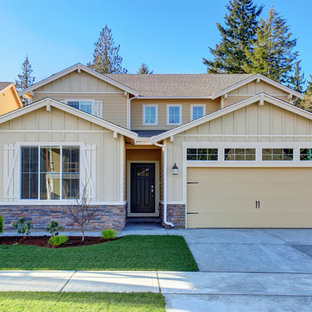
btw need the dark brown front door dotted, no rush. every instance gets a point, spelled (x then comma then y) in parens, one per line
(142, 188)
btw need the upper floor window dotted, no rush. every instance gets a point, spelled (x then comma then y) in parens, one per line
(84, 105)
(174, 115)
(50, 172)
(277, 154)
(150, 114)
(197, 111)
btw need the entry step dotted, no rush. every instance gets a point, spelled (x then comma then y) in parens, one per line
(133, 220)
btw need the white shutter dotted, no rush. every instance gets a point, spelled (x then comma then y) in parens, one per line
(98, 109)
(10, 172)
(88, 169)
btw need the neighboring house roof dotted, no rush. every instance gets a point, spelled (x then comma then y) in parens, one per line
(261, 97)
(4, 85)
(49, 102)
(79, 67)
(179, 85)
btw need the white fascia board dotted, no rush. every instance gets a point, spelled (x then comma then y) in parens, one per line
(84, 68)
(255, 77)
(68, 109)
(231, 108)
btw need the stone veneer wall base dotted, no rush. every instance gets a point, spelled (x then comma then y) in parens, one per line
(107, 216)
(175, 214)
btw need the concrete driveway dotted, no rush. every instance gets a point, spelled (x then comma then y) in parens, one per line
(247, 270)
(251, 250)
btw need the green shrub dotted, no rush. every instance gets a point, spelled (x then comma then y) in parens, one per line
(23, 226)
(54, 228)
(1, 225)
(57, 240)
(109, 234)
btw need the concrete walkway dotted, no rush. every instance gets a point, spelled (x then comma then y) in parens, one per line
(184, 291)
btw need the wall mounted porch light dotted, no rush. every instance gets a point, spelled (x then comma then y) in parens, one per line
(175, 169)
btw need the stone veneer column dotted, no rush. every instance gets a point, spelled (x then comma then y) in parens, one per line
(175, 214)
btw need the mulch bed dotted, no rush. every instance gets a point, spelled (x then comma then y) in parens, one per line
(42, 241)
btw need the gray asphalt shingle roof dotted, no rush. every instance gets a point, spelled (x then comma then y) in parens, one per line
(178, 85)
(4, 84)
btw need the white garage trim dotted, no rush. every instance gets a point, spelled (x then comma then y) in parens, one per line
(232, 164)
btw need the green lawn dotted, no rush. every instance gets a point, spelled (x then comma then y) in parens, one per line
(133, 252)
(84, 302)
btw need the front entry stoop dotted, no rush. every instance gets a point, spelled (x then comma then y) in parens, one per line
(140, 220)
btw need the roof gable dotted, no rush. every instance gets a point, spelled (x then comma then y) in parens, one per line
(261, 97)
(257, 77)
(50, 103)
(79, 67)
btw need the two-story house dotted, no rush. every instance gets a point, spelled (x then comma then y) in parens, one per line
(207, 150)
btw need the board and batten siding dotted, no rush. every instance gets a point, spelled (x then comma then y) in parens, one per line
(266, 122)
(254, 88)
(59, 127)
(137, 111)
(84, 86)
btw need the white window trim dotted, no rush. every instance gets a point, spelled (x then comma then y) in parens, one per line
(180, 115)
(296, 162)
(81, 100)
(143, 114)
(197, 105)
(39, 145)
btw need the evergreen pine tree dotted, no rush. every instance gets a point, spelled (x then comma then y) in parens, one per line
(144, 69)
(25, 79)
(297, 79)
(309, 87)
(238, 35)
(273, 54)
(106, 58)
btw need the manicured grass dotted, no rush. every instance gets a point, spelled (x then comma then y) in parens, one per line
(84, 302)
(133, 252)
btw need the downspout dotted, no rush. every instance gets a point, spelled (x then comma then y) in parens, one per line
(166, 222)
(129, 113)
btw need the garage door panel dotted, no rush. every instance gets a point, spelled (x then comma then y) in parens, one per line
(226, 197)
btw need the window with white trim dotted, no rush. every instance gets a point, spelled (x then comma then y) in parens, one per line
(239, 154)
(173, 114)
(204, 154)
(197, 111)
(50, 172)
(150, 114)
(277, 154)
(84, 105)
(305, 154)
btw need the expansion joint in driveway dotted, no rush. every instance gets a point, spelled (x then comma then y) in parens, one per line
(68, 280)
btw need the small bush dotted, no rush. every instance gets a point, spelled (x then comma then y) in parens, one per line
(57, 240)
(23, 227)
(54, 228)
(1, 224)
(109, 234)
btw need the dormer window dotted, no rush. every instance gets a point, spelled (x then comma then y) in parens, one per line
(84, 105)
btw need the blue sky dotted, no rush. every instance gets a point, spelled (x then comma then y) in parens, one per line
(170, 36)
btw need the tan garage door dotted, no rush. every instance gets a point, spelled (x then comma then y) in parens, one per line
(249, 197)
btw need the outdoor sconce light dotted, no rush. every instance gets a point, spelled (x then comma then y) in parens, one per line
(175, 169)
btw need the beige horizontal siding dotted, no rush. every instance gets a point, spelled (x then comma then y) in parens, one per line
(8, 101)
(137, 112)
(114, 104)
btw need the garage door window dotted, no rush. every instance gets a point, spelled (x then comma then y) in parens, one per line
(239, 154)
(204, 154)
(277, 154)
(305, 154)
